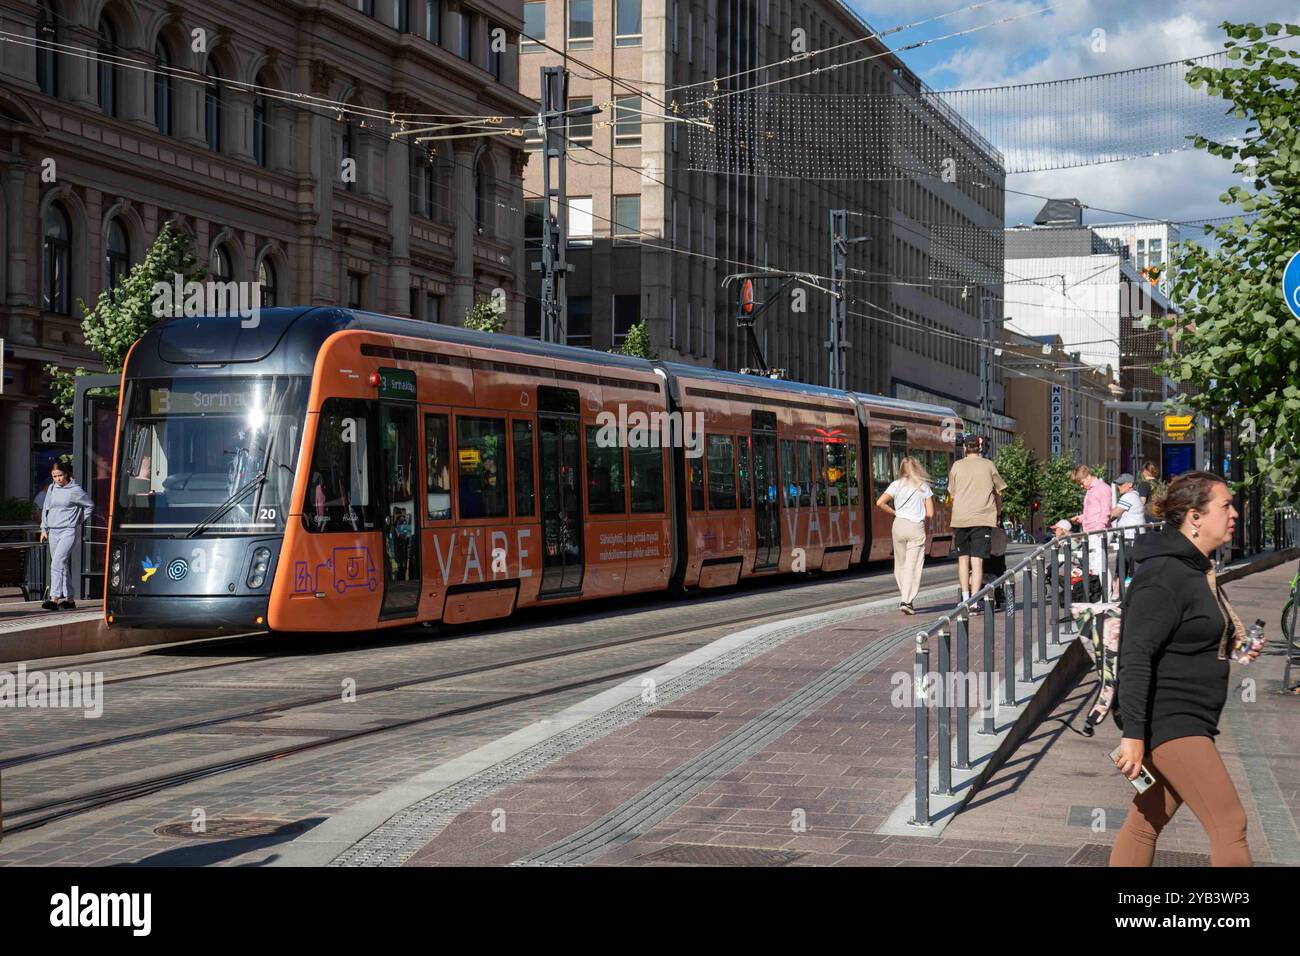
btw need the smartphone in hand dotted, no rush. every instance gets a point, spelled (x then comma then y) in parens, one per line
(1143, 781)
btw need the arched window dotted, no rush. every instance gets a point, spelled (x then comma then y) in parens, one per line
(108, 68)
(214, 95)
(261, 129)
(219, 265)
(432, 188)
(162, 89)
(350, 152)
(47, 61)
(55, 279)
(266, 278)
(117, 254)
(424, 181)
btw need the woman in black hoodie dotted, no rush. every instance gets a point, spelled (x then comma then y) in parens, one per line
(1178, 631)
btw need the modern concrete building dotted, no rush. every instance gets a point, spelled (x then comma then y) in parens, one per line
(1065, 280)
(99, 146)
(1149, 245)
(652, 239)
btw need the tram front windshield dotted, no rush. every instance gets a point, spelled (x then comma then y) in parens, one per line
(191, 444)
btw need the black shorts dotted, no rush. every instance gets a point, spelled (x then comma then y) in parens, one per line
(972, 542)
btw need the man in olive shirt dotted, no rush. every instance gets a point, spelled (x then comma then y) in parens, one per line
(976, 489)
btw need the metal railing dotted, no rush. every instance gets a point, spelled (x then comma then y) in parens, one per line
(24, 561)
(1038, 592)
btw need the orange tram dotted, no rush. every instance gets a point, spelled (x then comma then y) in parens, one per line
(325, 469)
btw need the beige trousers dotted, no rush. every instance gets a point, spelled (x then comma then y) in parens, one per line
(909, 557)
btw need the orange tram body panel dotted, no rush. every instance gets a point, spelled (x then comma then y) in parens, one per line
(334, 470)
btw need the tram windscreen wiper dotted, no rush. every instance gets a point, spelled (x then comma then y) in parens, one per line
(241, 492)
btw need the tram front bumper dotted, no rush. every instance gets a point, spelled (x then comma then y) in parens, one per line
(188, 613)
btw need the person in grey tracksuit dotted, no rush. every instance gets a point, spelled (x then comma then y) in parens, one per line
(66, 506)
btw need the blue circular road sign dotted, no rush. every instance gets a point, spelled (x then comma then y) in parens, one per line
(1291, 285)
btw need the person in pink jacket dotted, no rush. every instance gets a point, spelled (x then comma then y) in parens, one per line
(1095, 515)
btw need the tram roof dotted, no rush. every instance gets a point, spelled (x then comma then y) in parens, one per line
(903, 405)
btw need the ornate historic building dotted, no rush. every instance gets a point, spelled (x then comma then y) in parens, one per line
(99, 147)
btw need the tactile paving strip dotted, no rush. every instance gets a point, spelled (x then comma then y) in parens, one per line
(410, 830)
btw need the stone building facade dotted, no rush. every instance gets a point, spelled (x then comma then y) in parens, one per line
(229, 141)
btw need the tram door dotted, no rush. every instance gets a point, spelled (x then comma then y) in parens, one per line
(559, 468)
(399, 466)
(767, 483)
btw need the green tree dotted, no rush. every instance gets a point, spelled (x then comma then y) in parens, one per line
(1060, 496)
(123, 315)
(637, 342)
(1235, 349)
(1023, 474)
(485, 316)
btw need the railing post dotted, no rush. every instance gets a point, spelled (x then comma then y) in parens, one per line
(1057, 571)
(1121, 563)
(1027, 649)
(945, 712)
(921, 810)
(1085, 560)
(990, 657)
(963, 714)
(1009, 644)
(1043, 585)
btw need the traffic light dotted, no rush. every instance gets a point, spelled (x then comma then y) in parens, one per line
(1035, 506)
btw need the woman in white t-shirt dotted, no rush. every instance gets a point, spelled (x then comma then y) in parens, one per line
(910, 500)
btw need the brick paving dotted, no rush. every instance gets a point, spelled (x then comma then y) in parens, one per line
(824, 788)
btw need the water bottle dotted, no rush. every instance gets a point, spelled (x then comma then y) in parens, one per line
(1253, 642)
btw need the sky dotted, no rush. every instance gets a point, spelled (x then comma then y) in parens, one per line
(1062, 43)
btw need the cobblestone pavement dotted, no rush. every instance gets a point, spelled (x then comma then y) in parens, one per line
(816, 794)
(158, 689)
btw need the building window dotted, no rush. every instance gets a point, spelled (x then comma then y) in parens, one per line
(367, 7)
(533, 136)
(580, 221)
(482, 200)
(628, 23)
(1141, 253)
(466, 35)
(627, 121)
(627, 313)
(219, 264)
(424, 182)
(162, 90)
(403, 16)
(580, 25)
(433, 21)
(55, 255)
(534, 26)
(108, 68)
(356, 289)
(494, 55)
(261, 129)
(627, 215)
(432, 308)
(268, 281)
(672, 29)
(117, 255)
(580, 126)
(213, 106)
(579, 321)
(1157, 254)
(350, 152)
(47, 60)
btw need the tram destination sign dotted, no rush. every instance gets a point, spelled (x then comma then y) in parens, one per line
(397, 383)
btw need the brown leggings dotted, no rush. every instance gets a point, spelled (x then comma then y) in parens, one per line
(1187, 770)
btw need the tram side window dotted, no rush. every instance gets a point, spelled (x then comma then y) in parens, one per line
(805, 472)
(746, 477)
(939, 473)
(722, 473)
(522, 436)
(481, 467)
(646, 469)
(604, 477)
(851, 460)
(338, 491)
(819, 472)
(837, 476)
(695, 481)
(789, 488)
(880, 472)
(437, 472)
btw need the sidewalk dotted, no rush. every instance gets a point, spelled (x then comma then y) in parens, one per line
(781, 745)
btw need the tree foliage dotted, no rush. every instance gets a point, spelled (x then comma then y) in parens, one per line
(1023, 474)
(1235, 350)
(1060, 497)
(485, 316)
(637, 342)
(122, 315)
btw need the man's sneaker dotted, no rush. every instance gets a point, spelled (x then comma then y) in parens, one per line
(977, 608)
(49, 606)
(67, 605)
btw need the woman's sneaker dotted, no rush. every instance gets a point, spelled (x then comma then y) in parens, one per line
(906, 608)
(49, 606)
(67, 605)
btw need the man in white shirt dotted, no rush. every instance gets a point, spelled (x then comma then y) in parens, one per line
(1129, 511)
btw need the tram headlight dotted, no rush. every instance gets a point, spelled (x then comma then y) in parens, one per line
(257, 573)
(116, 580)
